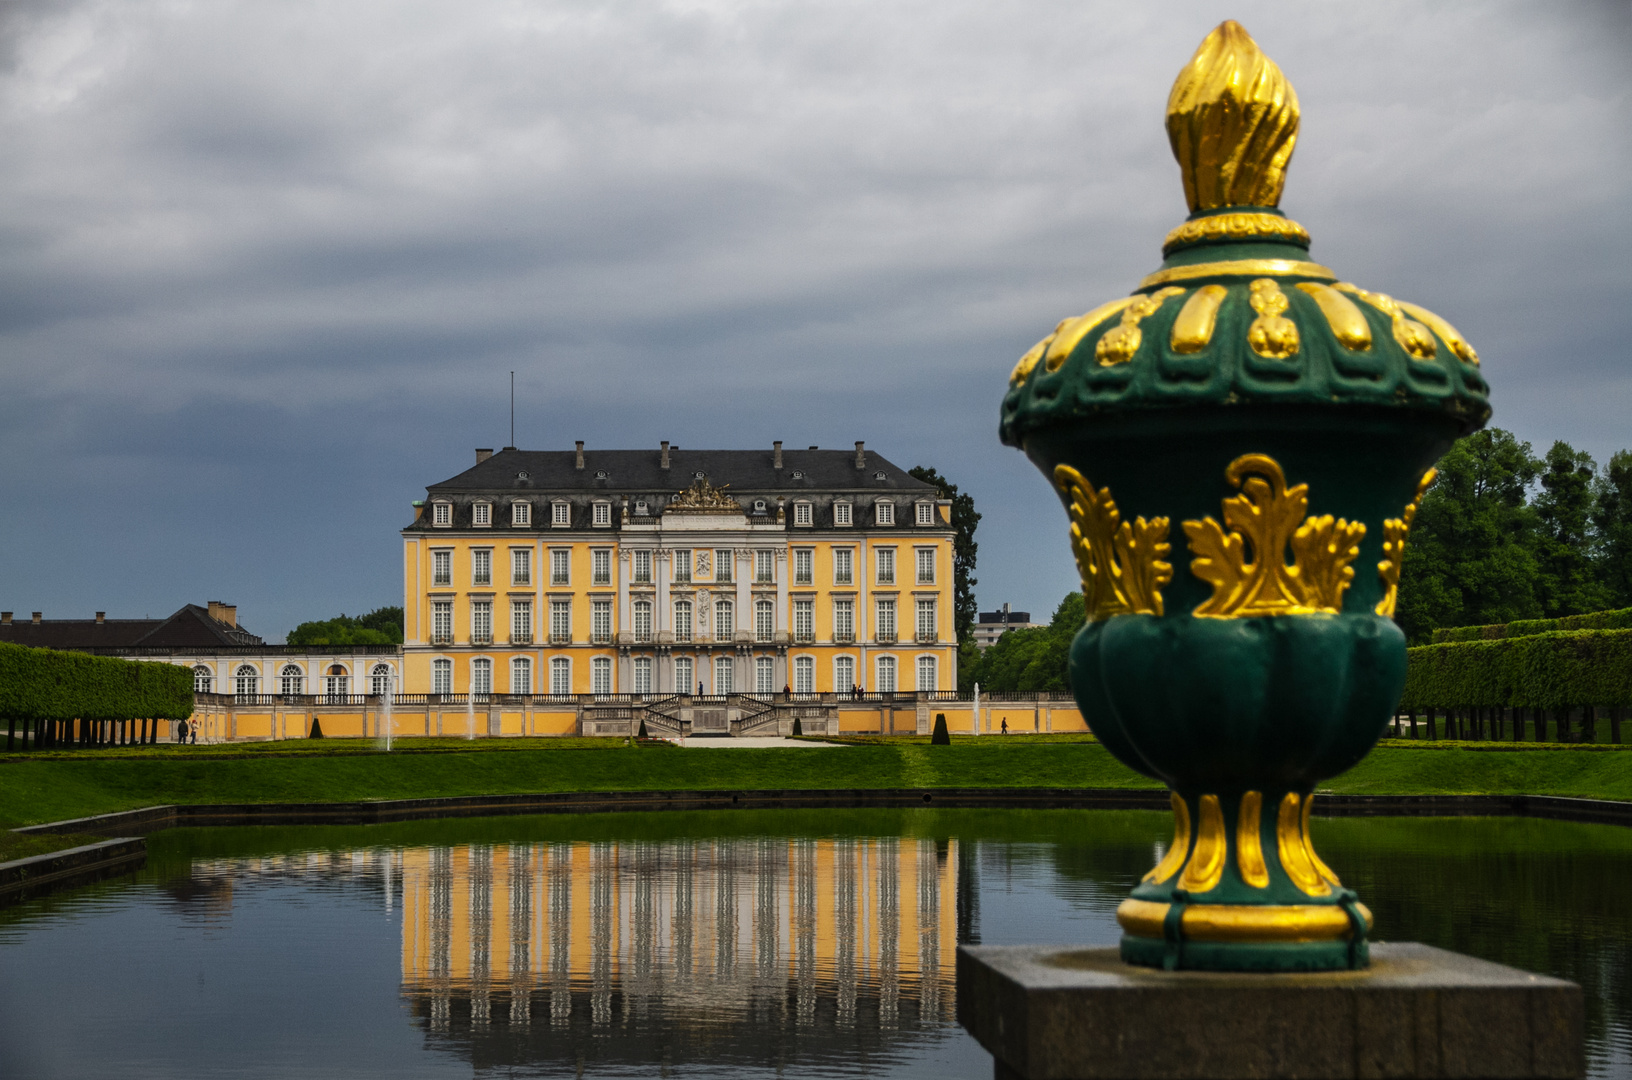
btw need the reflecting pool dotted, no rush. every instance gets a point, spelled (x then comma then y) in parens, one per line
(734, 943)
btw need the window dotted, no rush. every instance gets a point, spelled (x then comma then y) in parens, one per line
(722, 564)
(481, 676)
(844, 674)
(201, 680)
(521, 566)
(291, 681)
(682, 620)
(764, 675)
(926, 673)
(803, 561)
(481, 515)
(843, 560)
(481, 622)
(246, 681)
(521, 622)
(336, 684)
(560, 622)
(765, 567)
(600, 675)
(521, 513)
(884, 513)
(724, 621)
(521, 675)
(926, 513)
(926, 620)
(442, 514)
(759, 506)
(481, 567)
(600, 566)
(379, 680)
(764, 621)
(600, 621)
(926, 566)
(560, 675)
(684, 675)
(642, 674)
(804, 620)
(886, 566)
(682, 566)
(643, 621)
(844, 621)
(804, 675)
(441, 568)
(841, 513)
(642, 508)
(722, 676)
(560, 562)
(801, 514)
(560, 514)
(643, 567)
(441, 676)
(603, 515)
(885, 683)
(442, 622)
(884, 619)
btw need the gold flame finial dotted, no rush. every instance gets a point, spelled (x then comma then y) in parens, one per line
(1232, 119)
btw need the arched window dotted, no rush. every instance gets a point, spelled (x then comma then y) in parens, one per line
(722, 676)
(246, 681)
(804, 675)
(600, 675)
(885, 683)
(926, 673)
(682, 620)
(337, 682)
(643, 675)
(724, 621)
(202, 679)
(764, 675)
(560, 675)
(764, 620)
(379, 680)
(521, 675)
(643, 621)
(441, 676)
(685, 675)
(481, 675)
(291, 680)
(844, 673)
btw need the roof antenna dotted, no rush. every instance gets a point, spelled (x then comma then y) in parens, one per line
(512, 408)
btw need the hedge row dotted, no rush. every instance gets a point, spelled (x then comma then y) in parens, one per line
(1620, 619)
(1557, 670)
(44, 684)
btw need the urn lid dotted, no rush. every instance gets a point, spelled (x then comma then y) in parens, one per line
(1238, 314)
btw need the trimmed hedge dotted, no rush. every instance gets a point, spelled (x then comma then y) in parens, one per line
(1558, 670)
(45, 684)
(1619, 619)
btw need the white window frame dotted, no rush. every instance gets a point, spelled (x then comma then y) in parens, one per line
(804, 566)
(379, 680)
(481, 622)
(764, 675)
(336, 686)
(803, 517)
(682, 565)
(804, 674)
(481, 676)
(725, 569)
(560, 514)
(843, 515)
(246, 681)
(560, 622)
(521, 566)
(764, 621)
(442, 622)
(933, 666)
(924, 559)
(291, 681)
(685, 675)
(885, 629)
(560, 675)
(521, 514)
(560, 566)
(844, 566)
(481, 566)
(804, 619)
(600, 675)
(725, 681)
(641, 567)
(844, 673)
(764, 566)
(886, 669)
(642, 620)
(602, 518)
(725, 620)
(926, 513)
(600, 566)
(481, 515)
(521, 621)
(203, 679)
(640, 675)
(844, 620)
(441, 515)
(521, 675)
(883, 512)
(684, 627)
(600, 622)
(884, 566)
(441, 676)
(926, 621)
(441, 567)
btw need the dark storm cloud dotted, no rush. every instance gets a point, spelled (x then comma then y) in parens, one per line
(264, 269)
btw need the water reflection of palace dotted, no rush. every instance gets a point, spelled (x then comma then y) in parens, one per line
(814, 933)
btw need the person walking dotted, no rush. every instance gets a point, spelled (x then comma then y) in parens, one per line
(1005, 725)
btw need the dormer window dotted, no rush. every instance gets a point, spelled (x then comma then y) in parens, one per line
(926, 513)
(801, 514)
(759, 506)
(441, 514)
(521, 514)
(798, 474)
(884, 513)
(642, 508)
(560, 515)
(603, 515)
(600, 474)
(481, 515)
(880, 476)
(841, 514)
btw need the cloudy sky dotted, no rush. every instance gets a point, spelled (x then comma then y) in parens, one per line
(265, 268)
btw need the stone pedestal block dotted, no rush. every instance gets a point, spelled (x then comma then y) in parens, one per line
(1047, 1013)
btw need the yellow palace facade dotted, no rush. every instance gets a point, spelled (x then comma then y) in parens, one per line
(679, 572)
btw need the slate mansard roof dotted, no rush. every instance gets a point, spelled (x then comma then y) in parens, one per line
(615, 475)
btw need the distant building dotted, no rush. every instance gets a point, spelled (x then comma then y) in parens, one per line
(991, 625)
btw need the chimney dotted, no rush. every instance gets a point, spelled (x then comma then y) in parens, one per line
(663, 462)
(419, 509)
(227, 613)
(776, 454)
(580, 454)
(101, 617)
(861, 456)
(5, 618)
(483, 453)
(37, 618)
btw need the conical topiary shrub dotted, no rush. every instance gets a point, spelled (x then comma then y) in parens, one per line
(798, 728)
(643, 734)
(940, 736)
(317, 728)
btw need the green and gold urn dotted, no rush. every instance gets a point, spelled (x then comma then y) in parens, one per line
(1241, 445)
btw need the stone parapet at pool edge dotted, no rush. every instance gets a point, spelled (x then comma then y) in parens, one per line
(76, 865)
(1053, 1013)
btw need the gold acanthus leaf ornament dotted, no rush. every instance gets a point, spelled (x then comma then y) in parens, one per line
(1120, 342)
(1394, 533)
(1247, 567)
(1232, 119)
(1122, 563)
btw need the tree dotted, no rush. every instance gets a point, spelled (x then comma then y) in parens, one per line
(1035, 658)
(1612, 522)
(964, 521)
(382, 626)
(1569, 583)
(1471, 557)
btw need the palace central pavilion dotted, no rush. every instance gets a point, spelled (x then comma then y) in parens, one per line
(671, 571)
